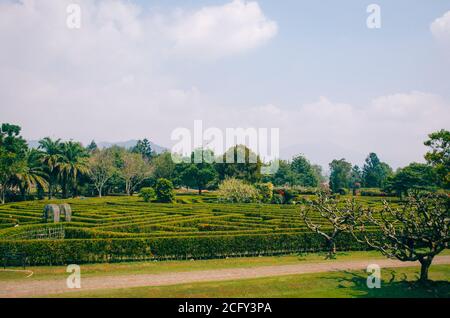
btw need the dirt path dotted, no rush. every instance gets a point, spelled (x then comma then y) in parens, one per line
(48, 287)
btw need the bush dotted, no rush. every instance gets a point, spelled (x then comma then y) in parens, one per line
(289, 195)
(148, 194)
(164, 191)
(236, 191)
(54, 252)
(372, 192)
(341, 191)
(265, 191)
(277, 198)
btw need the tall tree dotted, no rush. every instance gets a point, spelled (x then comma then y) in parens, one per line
(31, 173)
(375, 172)
(306, 176)
(163, 166)
(51, 157)
(340, 174)
(439, 155)
(144, 148)
(318, 172)
(284, 176)
(73, 163)
(356, 178)
(242, 164)
(199, 175)
(418, 231)
(13, 149)
(416, 176)
(134, 171)
(92, 147)
(340, 215)
(101, 168)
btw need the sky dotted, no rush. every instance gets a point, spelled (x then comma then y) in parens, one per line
(134, 69)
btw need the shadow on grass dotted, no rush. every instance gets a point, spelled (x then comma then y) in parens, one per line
(394, 285)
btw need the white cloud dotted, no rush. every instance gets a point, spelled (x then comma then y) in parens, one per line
(218, 31)
(395, 126)
(440, 28)
(110, 81)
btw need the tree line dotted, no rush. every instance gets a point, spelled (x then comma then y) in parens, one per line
(429, 176)
(66, 168)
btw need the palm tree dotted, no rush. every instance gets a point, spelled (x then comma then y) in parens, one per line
(74, 162)
(51, 157)
(31, 173)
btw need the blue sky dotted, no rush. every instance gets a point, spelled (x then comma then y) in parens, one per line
(325, 48)
(311, 68)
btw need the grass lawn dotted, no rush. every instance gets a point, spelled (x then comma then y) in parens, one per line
(90, 270)
(395, 283)
(159, 267)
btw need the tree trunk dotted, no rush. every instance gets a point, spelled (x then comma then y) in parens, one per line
(128, 188)
(100, 192)
(425, 266)
(199, 191)
(331, 249)
(64, 188)
(3, 196)
(50, 190)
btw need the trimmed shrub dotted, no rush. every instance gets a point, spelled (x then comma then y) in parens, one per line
(236, 191)
(341, 191)
(164, 191)
(265, 191)
(372, 192)
(277, 198)
(54, 252)
(147, 194)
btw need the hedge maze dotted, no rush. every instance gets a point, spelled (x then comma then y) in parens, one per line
(126, 228)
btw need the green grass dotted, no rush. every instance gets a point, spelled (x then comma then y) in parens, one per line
(396, 283)
(159, 267)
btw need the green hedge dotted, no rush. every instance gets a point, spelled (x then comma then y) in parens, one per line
(53, 252)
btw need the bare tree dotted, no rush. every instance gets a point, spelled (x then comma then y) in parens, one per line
(341, 216)
(417, 232)
(134, 171)
(101, 169)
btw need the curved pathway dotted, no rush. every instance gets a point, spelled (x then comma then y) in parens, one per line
(48, 287)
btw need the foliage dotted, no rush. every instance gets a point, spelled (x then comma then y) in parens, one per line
(163, 166)
(417, 232)
(199, 173)
(241, 163)
(13, 149)
(340, 174)
(415, 176)
(54, 252)
(237, 191)
(372, 192)
(72, 163)
(101, 168)
(375, 173)
(144, 148)
(306, 175)
(265, 191)
(439, 155)
(147, 194)
(135, 170)
(341, 217)
(356, 178)
(164, 191)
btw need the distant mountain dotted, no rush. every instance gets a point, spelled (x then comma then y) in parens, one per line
(106, 144)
